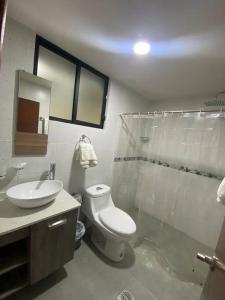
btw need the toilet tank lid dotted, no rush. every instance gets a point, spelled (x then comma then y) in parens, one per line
(97, 190)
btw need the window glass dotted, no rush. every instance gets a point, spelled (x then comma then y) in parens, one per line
(61, 73)
(90, 97)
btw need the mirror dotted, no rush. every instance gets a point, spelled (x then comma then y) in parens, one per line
(34, 95)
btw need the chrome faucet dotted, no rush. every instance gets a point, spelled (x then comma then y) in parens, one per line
(51, 172)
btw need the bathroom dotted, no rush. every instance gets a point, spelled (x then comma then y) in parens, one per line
(154, 130)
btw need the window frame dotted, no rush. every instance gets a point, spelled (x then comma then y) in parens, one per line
(41, 42)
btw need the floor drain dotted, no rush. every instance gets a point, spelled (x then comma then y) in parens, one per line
(125, 295)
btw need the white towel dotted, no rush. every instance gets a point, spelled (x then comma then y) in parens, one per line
(221, 192)
(86, 155)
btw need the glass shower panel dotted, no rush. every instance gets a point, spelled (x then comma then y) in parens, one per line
(175, 206)
(127, 164)
(182, 196)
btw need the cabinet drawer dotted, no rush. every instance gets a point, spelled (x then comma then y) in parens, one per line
(52, 244)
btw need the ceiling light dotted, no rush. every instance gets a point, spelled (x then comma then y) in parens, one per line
(142, 48)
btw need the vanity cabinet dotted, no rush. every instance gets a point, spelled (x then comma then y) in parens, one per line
(51, 245)
(32, 253)
(14, 262)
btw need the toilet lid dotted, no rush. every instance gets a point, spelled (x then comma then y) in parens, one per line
(118, 221)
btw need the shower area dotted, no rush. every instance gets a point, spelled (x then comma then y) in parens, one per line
(167, 169)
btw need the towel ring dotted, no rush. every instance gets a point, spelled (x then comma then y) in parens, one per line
(84, 139)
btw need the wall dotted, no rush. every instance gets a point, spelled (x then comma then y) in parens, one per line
(18, 54)
(194, 103)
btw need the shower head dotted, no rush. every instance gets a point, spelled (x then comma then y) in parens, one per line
(219, 101)
(144, 139)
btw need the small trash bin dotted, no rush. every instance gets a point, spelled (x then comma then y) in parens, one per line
(80, 231)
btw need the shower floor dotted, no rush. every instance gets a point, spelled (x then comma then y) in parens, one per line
(173, 249)
(89, 276)
(154, 272)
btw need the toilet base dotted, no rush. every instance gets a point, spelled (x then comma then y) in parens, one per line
(112, 249)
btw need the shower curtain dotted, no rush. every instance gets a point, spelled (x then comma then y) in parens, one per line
(166, 173)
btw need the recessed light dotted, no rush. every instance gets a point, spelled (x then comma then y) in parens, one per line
(142, 48)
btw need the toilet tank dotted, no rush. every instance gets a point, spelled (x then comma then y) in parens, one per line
(96, 198)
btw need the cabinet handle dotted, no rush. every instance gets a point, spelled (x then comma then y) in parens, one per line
(57, 224)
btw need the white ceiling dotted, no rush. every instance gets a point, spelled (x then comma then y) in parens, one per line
(187, 38)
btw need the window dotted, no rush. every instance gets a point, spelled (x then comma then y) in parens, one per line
(90, 97)
(79, 92)
(62, 74)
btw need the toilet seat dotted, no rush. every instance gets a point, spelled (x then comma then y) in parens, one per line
(117, 221)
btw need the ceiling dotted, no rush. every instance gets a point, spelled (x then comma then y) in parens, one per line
(187, 37)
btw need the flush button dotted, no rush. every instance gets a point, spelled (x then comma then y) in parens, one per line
(98, 188)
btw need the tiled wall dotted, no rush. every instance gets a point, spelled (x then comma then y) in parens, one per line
(18, 54)
(168, 165)
(183, 200)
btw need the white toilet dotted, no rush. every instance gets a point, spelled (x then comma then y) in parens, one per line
(112, 226)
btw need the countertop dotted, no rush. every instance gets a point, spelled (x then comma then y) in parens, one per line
(13, 218)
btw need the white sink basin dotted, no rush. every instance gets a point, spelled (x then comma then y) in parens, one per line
(35, 193)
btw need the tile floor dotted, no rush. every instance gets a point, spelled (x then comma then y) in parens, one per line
(90, 277)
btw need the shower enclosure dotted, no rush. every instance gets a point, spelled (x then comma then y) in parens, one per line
(167, 170)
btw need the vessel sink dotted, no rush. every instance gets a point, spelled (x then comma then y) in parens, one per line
(35, 193)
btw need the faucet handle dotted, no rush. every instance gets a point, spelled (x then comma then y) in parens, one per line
(52, 165)
(51, 172)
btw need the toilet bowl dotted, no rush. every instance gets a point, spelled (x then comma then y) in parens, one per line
(112, 227)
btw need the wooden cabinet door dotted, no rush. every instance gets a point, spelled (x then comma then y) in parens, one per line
(52, 244)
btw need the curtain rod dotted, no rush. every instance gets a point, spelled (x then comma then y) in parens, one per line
(172, 112)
